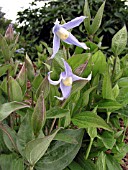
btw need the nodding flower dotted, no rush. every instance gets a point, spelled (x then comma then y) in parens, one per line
(66, 79)
(9, 32)
(60, 33)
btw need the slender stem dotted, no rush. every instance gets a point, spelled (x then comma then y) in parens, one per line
(8, 85)
(31, 167)
(114, 66)
(32, 99)
(53, 123)
(108, 116)
(89, 148)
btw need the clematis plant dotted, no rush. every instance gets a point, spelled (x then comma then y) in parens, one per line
(9, 32)
(66, 79)
(60, 32)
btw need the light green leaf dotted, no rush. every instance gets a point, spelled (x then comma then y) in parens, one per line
(123, 82)
(37, 82)
(39, 115)
(7, 108)
(88, 15)
(112, 164)
(5, 48)
(4, 68)
(86, 120)
(56, 112)
(30, 68)
(107, 87)
(119, 41)
(97, 20)
(101, 162)
(15, 89)
(115, 91)
(35, 149)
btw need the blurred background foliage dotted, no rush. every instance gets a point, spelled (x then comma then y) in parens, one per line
(36, 23)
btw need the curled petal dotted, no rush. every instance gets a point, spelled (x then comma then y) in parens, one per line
(56, 45)
(75, 78)
(72, 40)
(66, 90)
(73, 23)
(68, 69)
(54, 82)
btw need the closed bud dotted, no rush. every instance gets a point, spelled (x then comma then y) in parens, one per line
(9, 32)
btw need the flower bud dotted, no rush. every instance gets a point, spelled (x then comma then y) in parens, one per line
(9, 32)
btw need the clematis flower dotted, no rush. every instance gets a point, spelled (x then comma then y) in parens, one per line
(60, 32)
(66, 79)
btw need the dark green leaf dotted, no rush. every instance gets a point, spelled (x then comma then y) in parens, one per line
(4, 68)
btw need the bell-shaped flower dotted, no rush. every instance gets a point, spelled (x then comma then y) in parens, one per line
(60, 32)
(9, 32)
(66, 79)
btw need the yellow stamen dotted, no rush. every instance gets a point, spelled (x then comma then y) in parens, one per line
(62, 33)
(67, 81)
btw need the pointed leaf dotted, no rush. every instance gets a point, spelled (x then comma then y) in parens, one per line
(7, 108)
(86, 120)
(97, 20)
(35, 149)
(4, 68)
(101, 162)
(30, 68)
(60, 154)
(16, 92)
(39, 115)
(119, 41)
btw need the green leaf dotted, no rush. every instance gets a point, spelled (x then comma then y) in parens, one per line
(11, 162)
(30, 68)
(99, 63)
(15, 89)
(87, 14)
(9, 136)
(92, 132)
(39, 115)
(101, 162)
(112, 164)
(25, 133)
(36, 82)
(4, 68)
(22, 79)
(63, 135)
(56, 112)
(107, 87)
(86, 120)
(7, 108)
(109, 105)
(119, 41)
(123, 96)
(97, 20)
(60, 154)
(115, 91)
(108, 139)
(35, 149)
(5, 48)
(44, 87)
(123, 82)
(75, 166)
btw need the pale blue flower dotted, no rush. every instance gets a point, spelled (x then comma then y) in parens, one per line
(66, 79)
(60, 32)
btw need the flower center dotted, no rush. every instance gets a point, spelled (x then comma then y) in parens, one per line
(62, 33)
(67, 81)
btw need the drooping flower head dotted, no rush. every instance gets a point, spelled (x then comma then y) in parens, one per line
(9, 32)
(60, 32)
(66, 79)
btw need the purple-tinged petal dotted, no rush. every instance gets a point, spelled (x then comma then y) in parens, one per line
(73, 23)
(68, 69)
(56, 45)
(75, 77)
(54, 82)
(66, 90)
(72, 40)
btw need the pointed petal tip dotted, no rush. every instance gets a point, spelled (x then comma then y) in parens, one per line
(59, 98)
(90, 76)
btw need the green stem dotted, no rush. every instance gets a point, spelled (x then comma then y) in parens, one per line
(114, 66)
(89, 148)
(108, 116)
(31, 167)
